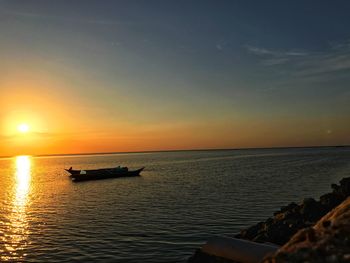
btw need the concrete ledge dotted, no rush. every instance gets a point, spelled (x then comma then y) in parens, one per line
(238, 250)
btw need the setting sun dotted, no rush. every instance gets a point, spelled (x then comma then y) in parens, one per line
(23, 128)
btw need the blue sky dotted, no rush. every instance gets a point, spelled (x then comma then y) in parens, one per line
(187, 62)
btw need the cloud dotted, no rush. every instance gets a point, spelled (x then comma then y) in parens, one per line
(324, 63)
(340, 45)
(219, 47)
(301, 63)
(274, 53)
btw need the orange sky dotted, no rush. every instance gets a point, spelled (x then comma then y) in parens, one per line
(57, 126)
(63, 122)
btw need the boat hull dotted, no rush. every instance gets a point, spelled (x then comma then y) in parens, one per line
(100, 174)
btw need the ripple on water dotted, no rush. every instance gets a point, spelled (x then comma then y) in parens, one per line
(182, 199)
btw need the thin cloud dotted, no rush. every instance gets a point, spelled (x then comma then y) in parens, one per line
(300, 63)
(219, 47)
(274, 53)
(324, 63)
(340, 45)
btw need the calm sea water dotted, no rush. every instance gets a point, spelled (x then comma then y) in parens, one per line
(181, 200)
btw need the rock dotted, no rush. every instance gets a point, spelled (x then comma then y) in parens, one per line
(330, 200)
(319, 243)
(311, 210)
(344, 189)
(252, 231)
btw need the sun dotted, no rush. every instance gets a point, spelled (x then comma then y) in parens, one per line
(23, 128)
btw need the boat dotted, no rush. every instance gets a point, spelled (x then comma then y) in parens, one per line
(104, 173)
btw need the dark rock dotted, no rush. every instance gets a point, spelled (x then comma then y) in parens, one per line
(251, 232)
(311, 210)
(335, 187)
(326, 223)
(344, 189)
(287, 208)
(330, 200)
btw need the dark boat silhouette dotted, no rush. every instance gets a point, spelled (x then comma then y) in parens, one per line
(105, 173)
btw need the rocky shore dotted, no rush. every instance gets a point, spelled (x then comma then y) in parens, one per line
(286, 222)
(326, 242)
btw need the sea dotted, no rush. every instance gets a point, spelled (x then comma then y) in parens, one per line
(181, 200)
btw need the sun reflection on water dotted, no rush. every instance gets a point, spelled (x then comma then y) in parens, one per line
(16, 235)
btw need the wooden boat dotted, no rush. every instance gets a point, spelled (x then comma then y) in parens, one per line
(105, 173)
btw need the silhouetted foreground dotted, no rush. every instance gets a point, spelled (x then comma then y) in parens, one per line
(291, 218)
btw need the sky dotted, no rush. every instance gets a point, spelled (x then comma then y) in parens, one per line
(109, 76)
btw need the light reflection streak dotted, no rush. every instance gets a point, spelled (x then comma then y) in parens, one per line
(16, 234)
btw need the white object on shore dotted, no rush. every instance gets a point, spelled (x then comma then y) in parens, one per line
(238, 249)
(82, 172)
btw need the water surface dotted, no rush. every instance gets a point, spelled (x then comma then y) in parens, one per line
(181, 199)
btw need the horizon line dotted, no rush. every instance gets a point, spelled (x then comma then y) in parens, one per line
(176, 150)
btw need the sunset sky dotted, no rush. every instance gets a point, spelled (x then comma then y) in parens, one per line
(108, 76)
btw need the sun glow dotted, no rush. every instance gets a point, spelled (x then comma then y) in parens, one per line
(23, 128)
